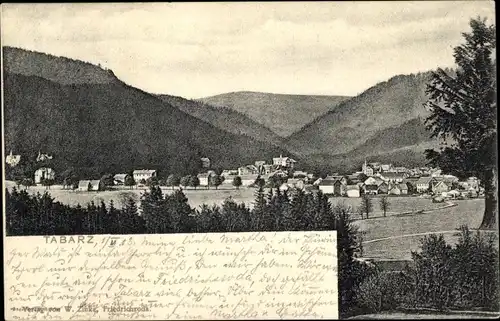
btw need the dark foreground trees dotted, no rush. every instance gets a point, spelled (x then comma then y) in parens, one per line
(464, 114)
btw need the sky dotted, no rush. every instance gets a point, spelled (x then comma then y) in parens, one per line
(196, 50)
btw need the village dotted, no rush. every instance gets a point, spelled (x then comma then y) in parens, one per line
(373, 179)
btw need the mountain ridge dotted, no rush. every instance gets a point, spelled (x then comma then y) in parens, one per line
(112, 126)
(275, 111)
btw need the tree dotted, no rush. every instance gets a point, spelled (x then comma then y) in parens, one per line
(129, 181)
(384, 204)
(152, 181)
(47, 182)
(463, 114)
(366, 206)
(173, 180)
(214, 180)
(260, 182)
(194, 181)
(237, 182)
(185, 180)
(107, 180)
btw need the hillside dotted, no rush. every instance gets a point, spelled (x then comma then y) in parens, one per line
(385, 117)
(223, 118)
(62, 70)
(283, 114)
(112, 127)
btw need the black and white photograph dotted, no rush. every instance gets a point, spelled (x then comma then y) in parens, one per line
(374, 120)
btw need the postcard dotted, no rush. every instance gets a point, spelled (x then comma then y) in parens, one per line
(250, 160)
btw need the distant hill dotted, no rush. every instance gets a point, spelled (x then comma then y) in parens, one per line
(387, 117)
(283, 114)
(224, 118)
(110, 127)
(62, 70)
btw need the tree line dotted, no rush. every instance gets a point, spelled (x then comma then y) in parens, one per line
(39, 214)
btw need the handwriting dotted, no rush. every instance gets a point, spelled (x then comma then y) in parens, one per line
(197, 276)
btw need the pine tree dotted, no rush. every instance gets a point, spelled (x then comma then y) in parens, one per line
(464, 114)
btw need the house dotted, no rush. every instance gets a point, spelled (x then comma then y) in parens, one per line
(473, 182)
(42, 157)
(205, 162)
(367, 169)
(371, 181)
(296, 183)
(44, 173)
(248, 170)
(259, 163)
(370, 189)
(352, 191)
(440, 187)
(267, 169)
(398, 189)
(423, 184)
(249, 179)
(394, 189)
(286, 162)
(385, 167)
(403, 187)
(335, 185)
(229, 172)
(12, 160)
(203, 177)
(382, 187)
(120, 179)
(143, 174)
(393, 177)
(96, 185)
(90, 185)
(299, 174)
(84, 185)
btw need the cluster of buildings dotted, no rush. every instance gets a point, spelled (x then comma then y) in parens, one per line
(387, 179)
(373, 179)
(280, 166)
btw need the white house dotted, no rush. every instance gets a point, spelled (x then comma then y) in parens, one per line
(90, 185)
(247, 180)
(83, 185)
(353, 191)
(42, 157)
(284, 161)
(367, 169)
(119, 179)
(12, 160)
(247, 170)
(423, 184)
(335, 185)
(44, 173)
(143, 174)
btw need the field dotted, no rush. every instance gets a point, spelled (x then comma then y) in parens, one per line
(391, 237)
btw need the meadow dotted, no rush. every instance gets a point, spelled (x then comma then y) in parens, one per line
(390, 237)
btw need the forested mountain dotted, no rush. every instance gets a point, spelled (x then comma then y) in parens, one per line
(224, 118)
(62, 70)
(110, 126)
(386, 121)
(283, 114)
